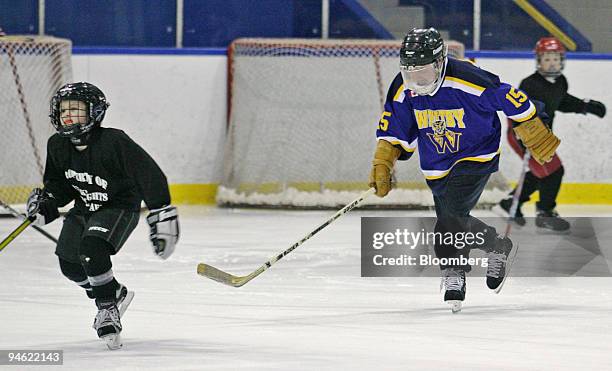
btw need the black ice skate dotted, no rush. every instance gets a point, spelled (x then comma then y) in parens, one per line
(503, 209)
(105, 325)
(497, 261)
(453, 280)
(108, 324)
(550, 221)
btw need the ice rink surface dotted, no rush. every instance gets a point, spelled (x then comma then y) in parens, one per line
(310, 311)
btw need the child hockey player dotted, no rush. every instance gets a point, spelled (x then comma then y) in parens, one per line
(549, 86)
(449, 107)
(107, 175)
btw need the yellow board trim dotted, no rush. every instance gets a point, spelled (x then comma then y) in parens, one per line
(581, 193)
(546, 23)
(571, 193)
(199, 194)
(585, 193)
(16, 194)
(466, 83)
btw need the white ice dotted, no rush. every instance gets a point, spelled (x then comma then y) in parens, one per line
(312, 310)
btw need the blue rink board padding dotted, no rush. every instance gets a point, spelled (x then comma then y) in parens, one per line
(206, 23)
(218, 22)
(113, 23)
(19, 17)
(582, 43)
(504, 25)
(215, 23)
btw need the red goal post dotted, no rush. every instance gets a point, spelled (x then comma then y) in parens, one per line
(32, 68)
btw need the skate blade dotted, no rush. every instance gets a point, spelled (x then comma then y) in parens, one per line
(547, 231)
(123, 306)
(113, 341)
(455, 305)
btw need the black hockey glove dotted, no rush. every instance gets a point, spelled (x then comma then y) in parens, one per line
(42, 207)
(164, 230)
(594, 107)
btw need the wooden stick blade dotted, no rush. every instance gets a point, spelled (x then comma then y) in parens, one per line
(218, 275)
(237, 281)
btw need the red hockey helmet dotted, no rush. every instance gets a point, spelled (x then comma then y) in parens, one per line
(550, 57)
(549, 44)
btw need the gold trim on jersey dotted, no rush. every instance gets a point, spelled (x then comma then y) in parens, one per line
(525, 116)
(466, 86)
(399, 94)
(482, 158)
(405, 145)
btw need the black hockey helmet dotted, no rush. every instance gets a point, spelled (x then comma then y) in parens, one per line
(96, 106)
(422, 58)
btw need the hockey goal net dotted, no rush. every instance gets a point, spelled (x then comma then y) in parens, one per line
(32, 68)
(302, 122)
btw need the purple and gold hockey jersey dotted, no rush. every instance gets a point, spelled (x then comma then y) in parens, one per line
(458, 122)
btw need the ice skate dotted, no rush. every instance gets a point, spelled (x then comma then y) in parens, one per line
(124, 298)
(503, 209)
(108, 320)
(549, 221)
(499, 261)
(108, 324)
(453, 280)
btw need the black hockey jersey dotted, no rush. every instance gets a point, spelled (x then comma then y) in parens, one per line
(113, 171)
(553, 94)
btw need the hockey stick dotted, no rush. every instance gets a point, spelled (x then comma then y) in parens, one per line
(17, 215)
(513, 208)
(15, 233)
(517, 193)
(237, 281)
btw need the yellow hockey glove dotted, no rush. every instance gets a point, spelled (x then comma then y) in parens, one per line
(384, 158)
(538, 138)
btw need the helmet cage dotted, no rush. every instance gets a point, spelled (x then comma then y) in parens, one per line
(95, 103)
(547, 46)
(423, 79)
(547, 71)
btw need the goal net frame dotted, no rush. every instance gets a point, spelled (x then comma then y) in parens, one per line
(32, 68)
(382, 59)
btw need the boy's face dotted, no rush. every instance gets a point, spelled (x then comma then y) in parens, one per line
(73, 112)
(550, 62)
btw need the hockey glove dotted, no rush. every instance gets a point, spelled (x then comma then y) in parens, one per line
(164, 230)
(384, 158)
(539, 140)
(42, 207)
(594, 107)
